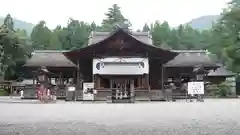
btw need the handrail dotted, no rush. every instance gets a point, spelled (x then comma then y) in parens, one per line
(146, 90)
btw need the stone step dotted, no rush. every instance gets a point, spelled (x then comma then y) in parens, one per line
(121, 101)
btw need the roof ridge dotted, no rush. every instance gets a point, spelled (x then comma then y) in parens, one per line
(50, 51)
(189, 51)
(141, 36)
(132, 32)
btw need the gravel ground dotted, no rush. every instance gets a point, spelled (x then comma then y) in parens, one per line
(212, 117)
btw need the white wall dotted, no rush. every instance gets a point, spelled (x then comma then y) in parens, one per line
(121, 66)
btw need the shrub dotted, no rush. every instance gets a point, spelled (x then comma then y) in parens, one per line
(222, 90)
(3, 93)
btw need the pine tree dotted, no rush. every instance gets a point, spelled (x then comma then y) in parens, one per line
(114, 17)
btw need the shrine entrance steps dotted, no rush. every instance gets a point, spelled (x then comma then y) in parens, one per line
(121, 101)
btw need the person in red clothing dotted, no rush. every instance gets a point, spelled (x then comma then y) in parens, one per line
(40, 92)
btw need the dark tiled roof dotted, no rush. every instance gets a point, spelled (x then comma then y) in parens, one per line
(49, 58)
(191, 58)
(143, 39)
(221, 71)
(95, 37)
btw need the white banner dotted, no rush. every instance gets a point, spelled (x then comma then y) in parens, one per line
(195, 88)
(121, 66)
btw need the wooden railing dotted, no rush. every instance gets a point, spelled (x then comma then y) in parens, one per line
(103, 94)
(142, 94)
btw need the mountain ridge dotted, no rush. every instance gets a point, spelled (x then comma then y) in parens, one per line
(20, 24)
(203, 22)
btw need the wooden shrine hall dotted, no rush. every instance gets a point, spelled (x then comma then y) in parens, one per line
(123, 65)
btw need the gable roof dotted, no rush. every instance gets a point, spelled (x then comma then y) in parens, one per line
(96, 37)
(155, 50)
(191, 58)
(221, 71)
(49, 58)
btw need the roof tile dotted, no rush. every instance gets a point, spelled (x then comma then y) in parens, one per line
(49, 58)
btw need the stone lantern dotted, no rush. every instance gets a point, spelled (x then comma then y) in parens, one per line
(199, 74)
(42, 76)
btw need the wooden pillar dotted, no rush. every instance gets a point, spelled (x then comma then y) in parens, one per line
(61, 79)
(111, 83)
(147, 81)
(132, 90)
(74, 73)
(78, 75)
(162, 77)
(11, 89)
(139, 82)
(143, 81)
(33, 80)
(98, 81)
(94, 80)
(75, 77)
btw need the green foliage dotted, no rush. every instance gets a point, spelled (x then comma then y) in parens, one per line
(75, 35)
(182, 37)
(19, 24)
(3, 93)
(222, 40)
(160, 33)
(225, 36)
(222, 90)
(114, 17)
(234, 4)
(14, 47)
(41, 36)
(146, 28)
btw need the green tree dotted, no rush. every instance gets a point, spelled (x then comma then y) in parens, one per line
(8, 22)
(189, 38)
(234, 4)
(55, 40)
(75, 35)
(115, 17)
(14, 48)
(145, 28)
(227, 35)
(156, 33)
(174, 41)
(41, 36)
(161, 34)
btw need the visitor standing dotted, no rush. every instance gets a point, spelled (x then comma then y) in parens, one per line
(21, 93)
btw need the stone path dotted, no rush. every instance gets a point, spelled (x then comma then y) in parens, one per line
(212, 117)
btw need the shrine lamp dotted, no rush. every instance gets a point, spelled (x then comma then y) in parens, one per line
(199, 72)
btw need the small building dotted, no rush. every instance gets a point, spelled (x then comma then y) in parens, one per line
(222, 75)
(121, 63)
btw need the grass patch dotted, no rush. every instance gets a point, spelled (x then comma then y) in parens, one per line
(3, 93)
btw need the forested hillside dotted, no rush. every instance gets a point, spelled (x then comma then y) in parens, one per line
(19, 24)
(222, 40)
(203, 22)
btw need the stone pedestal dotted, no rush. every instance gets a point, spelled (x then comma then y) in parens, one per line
(109, 99)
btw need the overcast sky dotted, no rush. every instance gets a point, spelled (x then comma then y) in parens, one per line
(56, 12)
